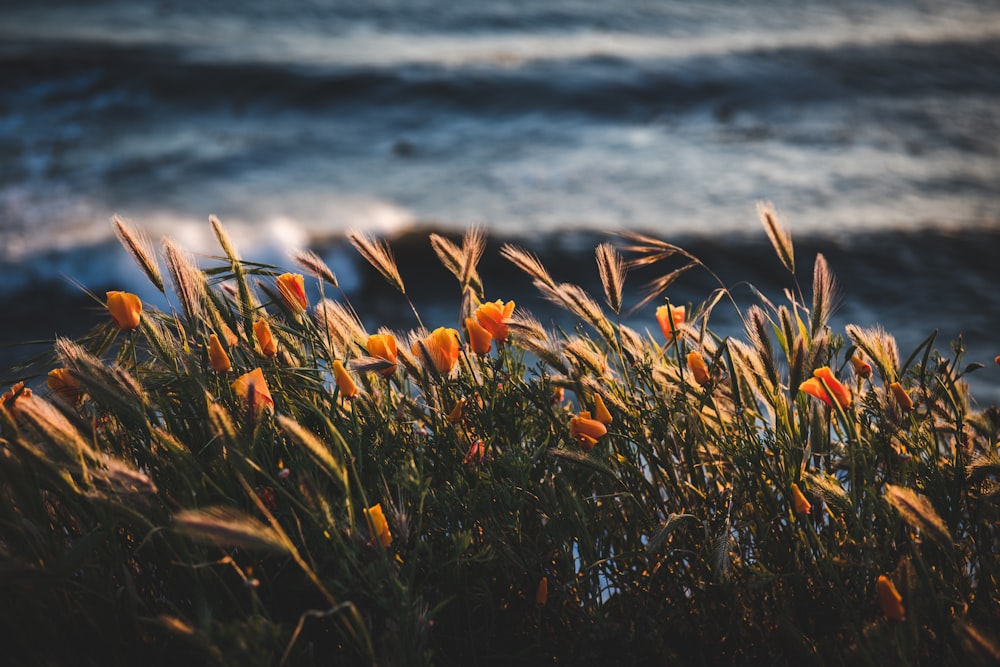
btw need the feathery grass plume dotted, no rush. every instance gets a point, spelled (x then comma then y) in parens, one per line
(378, 254)
(123, 479)
(228, 527)
(51, 423)
(189, 281)
(533, 337)
(341, 325)
(759, 331)
(918, 512)
(633, 343)
(220, 422)
(781, 240)
(880, 346)
(528, 263)
(110, 386)
(315, 265)
(317, 450)
(825, 295)
(651, 251)
(162, 344)
(576, 300)
(833, 493)
(141, 248)
(612, 269)
(473, 244)
(747, 362)
(223, 238)
(585, 356)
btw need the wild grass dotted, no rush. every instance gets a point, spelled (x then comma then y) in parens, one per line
(589, 496)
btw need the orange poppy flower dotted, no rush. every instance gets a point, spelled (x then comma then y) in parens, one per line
(383, 346)
(63, 383)
(670, 318)
(217, 355)
(542, 592)
(814, 387)
(586, 430)
(698, 368)
(861, 367)
(601, 413)
(903, 399)
(345, 383)
(252, 389)
(378, 527)
(890, 600)
(800, 504)
(262, 331)
(493, 317)
(125, 309)
(18, 392)
(480, 339)
(442, 346)
(292, 288)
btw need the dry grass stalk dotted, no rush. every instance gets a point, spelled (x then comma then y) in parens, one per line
(228, 527)
(528, 263)
(918, 513)
(315, 265)
(473, 244)
(585, 357)
(111, 385)
(378, 254)
(224, 241)
(141, 248)
(880, 346)
(317, 449)
(826, 295)
(189, 281)
(49, 421)
(123, 478)
(341, 325)
(612, 269)
(781, 240)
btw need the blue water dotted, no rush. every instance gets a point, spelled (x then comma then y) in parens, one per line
(296, 121)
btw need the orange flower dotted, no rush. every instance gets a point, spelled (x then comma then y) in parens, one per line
(480, 340)
(800, 504)
(601, 413)
(262, 331)
(125, 309)
(814, 387)
(293, 291)
(903, 399)
(63, 383)
(17, 393)
(861, 367)
(493, 317)
(378, 527)
(542, 592)
(457, 412)
(383, 346)
(698, 368)
(476, 453)
(670, 318)
(442, 346)
(345, 383)
(586, 430)
(217, 355)
(890, 600)
(252, 389)
(232, 340)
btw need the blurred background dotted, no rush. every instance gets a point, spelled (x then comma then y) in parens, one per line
(873, 127)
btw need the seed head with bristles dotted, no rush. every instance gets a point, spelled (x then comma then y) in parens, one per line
(528, 263)
(612, 271)
(880, 346)
(315, 265)
(223, 238)
(781, 240)
(379, 256)
(341, 325)
(189, 281)
(825, 295)
(141, 248)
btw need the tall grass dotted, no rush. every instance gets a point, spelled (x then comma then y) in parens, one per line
(578, 497)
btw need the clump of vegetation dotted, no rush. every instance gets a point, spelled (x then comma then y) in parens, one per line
(252, 478)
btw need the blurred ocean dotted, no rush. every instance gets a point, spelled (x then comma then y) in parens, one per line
(873, 127)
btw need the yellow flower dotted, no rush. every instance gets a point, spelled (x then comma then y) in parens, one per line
(480, 339)
(814, 387)
(601, 413)
(293, 291)
(800, 504)
(586, 430)
(262, 331)
(125, 309)
(542, 592)
(493, 317)
(378, 527)
(63, 383)
(217, 355)
(698, 368)
(442, 345)
(903, 399)
(890, 600)
(670, 318)
(252, 389)
(383, 346)
(345, 383)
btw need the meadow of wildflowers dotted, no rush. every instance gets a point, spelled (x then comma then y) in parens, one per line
(249, 477)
